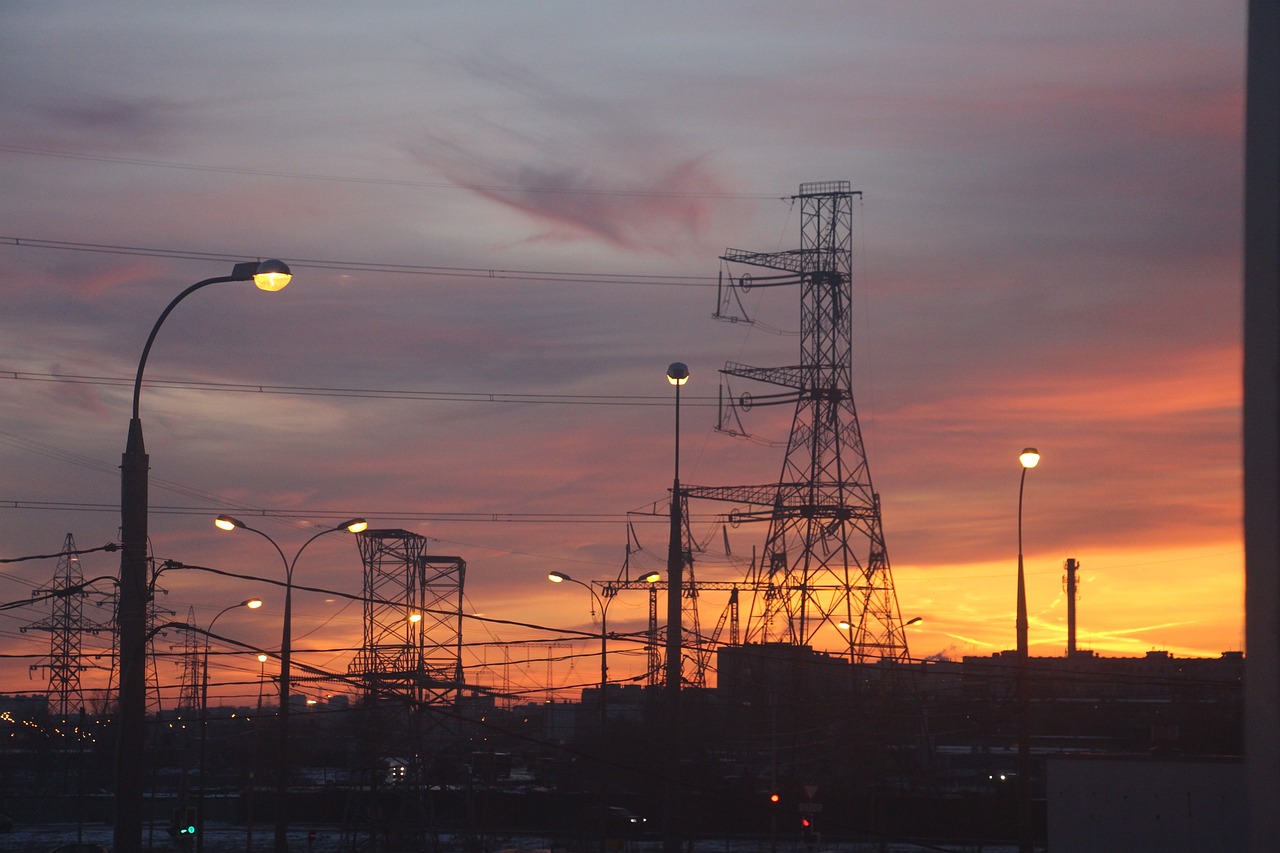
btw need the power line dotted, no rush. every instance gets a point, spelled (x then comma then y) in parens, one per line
(361, 393)
(558, 276)
(302, 514)
(110, 546)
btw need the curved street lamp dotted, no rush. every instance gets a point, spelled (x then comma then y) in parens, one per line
(131, 615)
(603, 604)
(846, 625)
(226, 522)
(252, 604)
(561, 577)
(1028, 458)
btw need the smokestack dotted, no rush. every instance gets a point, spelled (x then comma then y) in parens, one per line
(1072, 567)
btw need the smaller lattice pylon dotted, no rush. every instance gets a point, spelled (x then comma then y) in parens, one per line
(156, 616)
(67, 626)
(189, 682)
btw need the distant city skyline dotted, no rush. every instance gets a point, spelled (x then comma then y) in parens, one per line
(503, 227)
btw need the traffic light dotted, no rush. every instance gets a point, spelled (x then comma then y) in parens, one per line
(182, 826)
(808, 831)
(775, 798)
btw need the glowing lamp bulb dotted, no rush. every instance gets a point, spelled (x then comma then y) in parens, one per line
(272, 275)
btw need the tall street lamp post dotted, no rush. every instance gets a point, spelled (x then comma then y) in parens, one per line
(226, 522)
(603, 604)
(1029, 458)
(603, 820)
(253, 765)
(677, 375)
(252, 604)
(131, 615)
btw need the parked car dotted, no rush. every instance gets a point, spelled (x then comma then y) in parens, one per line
(621, 821)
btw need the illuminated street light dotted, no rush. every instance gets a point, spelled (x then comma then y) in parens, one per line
(226, 522)
(131, 614)
(251, 604)
(846, 625)
(850, 630)
(603, 605)
(1028, 459)
(561, 577)
(677, 375)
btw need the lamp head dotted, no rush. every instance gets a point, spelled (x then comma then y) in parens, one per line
(262, 658)
(226, 522)
(252, 603)
(558, 577)
(355, 525)
(272, 275)
(1029, 457)
(677, 373)
(415, 617)
(651, 577)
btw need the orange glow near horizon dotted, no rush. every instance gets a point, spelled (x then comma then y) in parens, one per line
(1186, 601)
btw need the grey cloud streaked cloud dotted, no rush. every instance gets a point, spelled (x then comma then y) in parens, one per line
(571, 207)
(104, 123)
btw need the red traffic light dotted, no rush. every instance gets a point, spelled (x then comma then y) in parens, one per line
(773, 798)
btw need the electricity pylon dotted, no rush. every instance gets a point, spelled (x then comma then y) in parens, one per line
(189, 693)
(824, 563)
(66, 626)
(412, 619)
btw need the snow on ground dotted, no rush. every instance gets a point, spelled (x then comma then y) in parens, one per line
(235, 839)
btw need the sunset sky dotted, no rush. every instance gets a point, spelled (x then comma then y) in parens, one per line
(505, 220)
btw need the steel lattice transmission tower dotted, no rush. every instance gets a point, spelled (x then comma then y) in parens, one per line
(66, 626)
(824, 560)
(412, 618)
(189, 662)
(155, 616)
